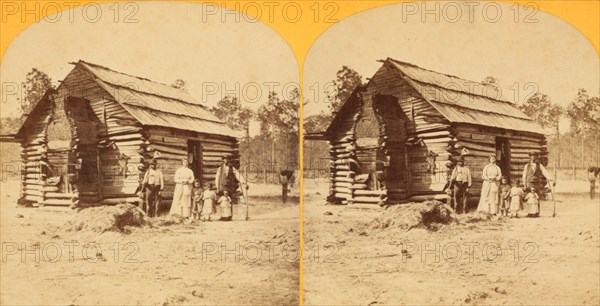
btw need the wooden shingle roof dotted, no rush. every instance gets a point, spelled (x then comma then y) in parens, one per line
(464, 101)
(157, 104)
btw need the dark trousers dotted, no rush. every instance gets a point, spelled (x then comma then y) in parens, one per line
(284, 193)
(460, 197)
(150, 205)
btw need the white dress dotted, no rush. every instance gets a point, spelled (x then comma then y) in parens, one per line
(488, 201)
(182, 196)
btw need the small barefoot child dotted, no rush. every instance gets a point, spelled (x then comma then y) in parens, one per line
(516, 198)
(197, 192)
(533, 202)
(504, 197)
(225, 206)
(209, 197)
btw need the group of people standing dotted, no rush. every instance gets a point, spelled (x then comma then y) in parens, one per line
(497, 196)
(191, 199)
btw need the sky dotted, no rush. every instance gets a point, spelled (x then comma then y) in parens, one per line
(215, 52)
(532, 49)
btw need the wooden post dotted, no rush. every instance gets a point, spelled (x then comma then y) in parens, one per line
(582, 157)
(100, 178)
(598, 147)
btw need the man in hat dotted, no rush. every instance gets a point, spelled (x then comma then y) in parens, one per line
(460, 180)
(152, 184)
(534, 173)
(228, 178)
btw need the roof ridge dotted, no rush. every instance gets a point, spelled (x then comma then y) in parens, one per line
(172, 113)
(156, 95)
(468, 93)
(115, 71)
(451, 76)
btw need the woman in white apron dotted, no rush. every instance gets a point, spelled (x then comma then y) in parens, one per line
(182, 196)
(488, 202)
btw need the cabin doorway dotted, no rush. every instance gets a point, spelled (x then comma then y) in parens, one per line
(503, 156)
(195, 158)
(88, 183)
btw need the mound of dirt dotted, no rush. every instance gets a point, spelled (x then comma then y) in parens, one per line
(107, 218)
(429, 215)
(169, 220)
(475, 217)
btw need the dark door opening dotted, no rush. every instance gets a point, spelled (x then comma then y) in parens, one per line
(195, 158)
(503, 156)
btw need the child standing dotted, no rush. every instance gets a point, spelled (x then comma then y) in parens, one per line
(533, 202)
(516, 198)
(225, 206)
(504, 197)
(197, 192)
(210, 197)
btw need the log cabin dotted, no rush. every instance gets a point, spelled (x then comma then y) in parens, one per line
(396, 138)
(90, 140)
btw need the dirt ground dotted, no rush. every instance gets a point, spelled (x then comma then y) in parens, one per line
(206, 263)
(543, 261)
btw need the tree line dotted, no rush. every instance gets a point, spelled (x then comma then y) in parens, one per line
(578, 147)
(274, 148)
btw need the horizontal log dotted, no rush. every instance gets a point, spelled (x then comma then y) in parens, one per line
(59, 195)
(57, 202)
(372, 193)
(478, 147)
(366, 200)
(341, 184)
(342, 190)
(167, 134)
(131, 143)
(33, 192)
(116, 131)
(171, 156)
(33, 198)
(165, 149)
(125, 138)
(343, 195)
(343, 179)
(343, 173)
(168, 140)
(437, 134)
(34, 187)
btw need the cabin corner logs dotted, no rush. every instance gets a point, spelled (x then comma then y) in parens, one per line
(389, 145)
(81, 147)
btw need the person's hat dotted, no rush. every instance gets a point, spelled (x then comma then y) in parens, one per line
(226, 157)
(533, 153)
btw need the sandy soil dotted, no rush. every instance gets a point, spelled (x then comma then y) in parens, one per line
(543, 261)
(238, 262)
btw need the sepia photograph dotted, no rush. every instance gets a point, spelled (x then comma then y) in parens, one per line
(149, 157)
(450, 157)
(299, 152)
